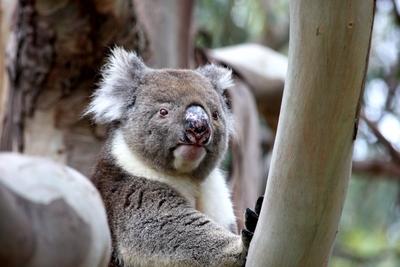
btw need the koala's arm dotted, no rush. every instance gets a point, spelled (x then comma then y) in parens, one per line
(156, 227)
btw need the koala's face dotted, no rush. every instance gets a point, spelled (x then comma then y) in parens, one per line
(177, 121)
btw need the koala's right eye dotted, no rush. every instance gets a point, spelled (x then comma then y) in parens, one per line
(163, 112)
(215, 115)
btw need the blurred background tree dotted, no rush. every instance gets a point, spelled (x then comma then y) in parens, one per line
(186, 33)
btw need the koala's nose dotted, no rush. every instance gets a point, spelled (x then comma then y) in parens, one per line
(197, 125)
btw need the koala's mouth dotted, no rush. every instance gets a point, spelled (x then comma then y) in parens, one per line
(188, 157)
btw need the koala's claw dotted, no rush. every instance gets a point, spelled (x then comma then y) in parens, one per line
(247, 236)
(250, 222)
(259, 205)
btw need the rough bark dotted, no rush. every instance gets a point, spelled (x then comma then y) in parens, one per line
(311, 162)
(56, 50)
(5, 14)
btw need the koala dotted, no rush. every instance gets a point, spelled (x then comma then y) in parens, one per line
(166, 199)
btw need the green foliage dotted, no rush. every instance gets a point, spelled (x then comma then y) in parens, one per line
(369, 233)
(228, 22)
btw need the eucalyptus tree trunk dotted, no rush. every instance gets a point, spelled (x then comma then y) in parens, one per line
(311, 162)
(168, 26)
(56, 48)
(3, 34)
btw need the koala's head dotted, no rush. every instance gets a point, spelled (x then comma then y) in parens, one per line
(178, 121)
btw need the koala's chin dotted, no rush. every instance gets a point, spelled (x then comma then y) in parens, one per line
(196, 136)
(188, 157)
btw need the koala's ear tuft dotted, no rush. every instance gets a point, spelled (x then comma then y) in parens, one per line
(121, 76)
(220, 77)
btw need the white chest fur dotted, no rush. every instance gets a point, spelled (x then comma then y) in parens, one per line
(212, 193)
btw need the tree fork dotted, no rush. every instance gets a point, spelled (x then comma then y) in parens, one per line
(311, 162)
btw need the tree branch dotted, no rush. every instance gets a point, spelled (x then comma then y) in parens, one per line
(377, 169)
(382, 139)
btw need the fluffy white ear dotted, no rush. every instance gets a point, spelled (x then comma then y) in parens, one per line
(120, 77)
(220, 77)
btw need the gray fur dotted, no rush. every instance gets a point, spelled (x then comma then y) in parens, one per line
(120, 78)
(154, 137)
(219, 77)
(149, 220)
(157, 227)
(132, 94)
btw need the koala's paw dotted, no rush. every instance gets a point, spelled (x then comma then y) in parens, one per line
(250, 222)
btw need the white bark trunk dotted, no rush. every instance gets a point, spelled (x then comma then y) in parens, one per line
(54, 216)
(328, 54)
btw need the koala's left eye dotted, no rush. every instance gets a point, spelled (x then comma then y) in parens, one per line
(163, 112)
(215, 115)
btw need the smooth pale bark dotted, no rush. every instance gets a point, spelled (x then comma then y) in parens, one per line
(51, 216)
(311, 162)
